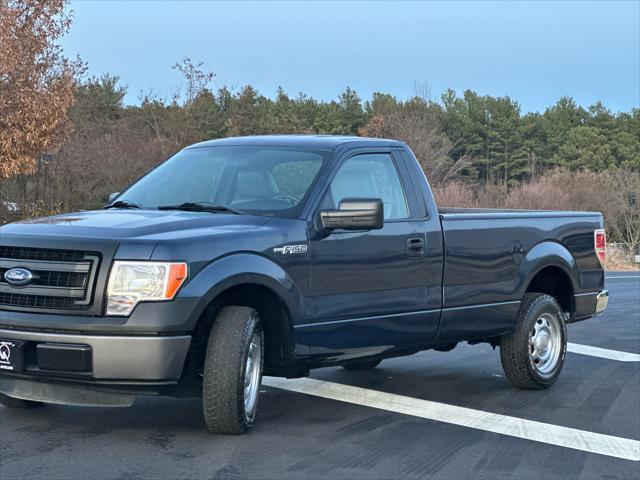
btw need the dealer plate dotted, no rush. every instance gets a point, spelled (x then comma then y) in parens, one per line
(11, 356)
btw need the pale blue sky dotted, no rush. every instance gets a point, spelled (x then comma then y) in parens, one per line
(534, 52)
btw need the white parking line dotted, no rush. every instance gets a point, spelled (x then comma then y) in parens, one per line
(603, 353)
(624, 276)
(585, 441)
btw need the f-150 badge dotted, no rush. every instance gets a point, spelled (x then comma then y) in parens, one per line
(291, 249)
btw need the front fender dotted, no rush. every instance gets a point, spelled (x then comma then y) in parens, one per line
(237, 269)
(547, 254)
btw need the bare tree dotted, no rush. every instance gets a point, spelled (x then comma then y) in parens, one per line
(174, 121)
(416, 123)
(620, 191)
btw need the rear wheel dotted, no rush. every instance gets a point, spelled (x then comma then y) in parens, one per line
(365, 365)
(533, 354)
(11, 402)
(233, 371)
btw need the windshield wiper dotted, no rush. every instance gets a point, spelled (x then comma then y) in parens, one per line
(122, 204)
(200, 207)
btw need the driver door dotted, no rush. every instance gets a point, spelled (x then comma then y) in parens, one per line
(368, 288)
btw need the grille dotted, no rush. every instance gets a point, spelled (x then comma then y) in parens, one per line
(62, 279)
(42, 254)
(38, 301)
(56, 279)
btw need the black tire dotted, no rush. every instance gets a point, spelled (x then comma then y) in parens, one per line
(365, 365)
(223, 392)
(11, 402)
(516, 350)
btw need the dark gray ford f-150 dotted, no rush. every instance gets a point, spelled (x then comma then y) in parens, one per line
(275, 255)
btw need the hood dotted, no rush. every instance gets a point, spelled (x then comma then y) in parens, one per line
(114, 224)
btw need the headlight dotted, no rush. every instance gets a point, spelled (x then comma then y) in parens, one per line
(134, 282)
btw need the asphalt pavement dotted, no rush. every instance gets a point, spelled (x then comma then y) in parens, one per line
(587, 426)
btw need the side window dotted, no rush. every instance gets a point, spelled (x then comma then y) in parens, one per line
(369, 176)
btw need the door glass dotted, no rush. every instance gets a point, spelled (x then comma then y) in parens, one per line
(369, 176)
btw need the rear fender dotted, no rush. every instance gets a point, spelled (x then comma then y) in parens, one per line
(547, 254)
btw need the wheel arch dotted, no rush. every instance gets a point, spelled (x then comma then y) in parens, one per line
(253, 281)
(550, 268)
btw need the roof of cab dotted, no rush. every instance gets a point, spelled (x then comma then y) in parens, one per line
(330, 142)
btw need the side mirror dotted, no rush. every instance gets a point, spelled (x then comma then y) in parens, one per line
(354, 214)
(112, 197)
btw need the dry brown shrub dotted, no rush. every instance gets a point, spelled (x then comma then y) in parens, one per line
(543, 194)
(492, 196)
(89, 168)
(454, 194)
(620, 259)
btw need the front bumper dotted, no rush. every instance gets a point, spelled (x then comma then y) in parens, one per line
(112, 357)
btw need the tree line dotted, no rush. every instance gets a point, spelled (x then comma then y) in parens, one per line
(482, 138)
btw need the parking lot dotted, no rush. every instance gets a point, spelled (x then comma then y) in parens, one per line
(441, 415)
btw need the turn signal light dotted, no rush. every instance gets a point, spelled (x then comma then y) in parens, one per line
(177, 275)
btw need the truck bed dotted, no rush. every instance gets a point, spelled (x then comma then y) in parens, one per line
(489, 254)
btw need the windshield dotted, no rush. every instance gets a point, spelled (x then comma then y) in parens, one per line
(258, 180)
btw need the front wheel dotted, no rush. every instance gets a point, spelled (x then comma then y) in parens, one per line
(233, 371)
(533, 354)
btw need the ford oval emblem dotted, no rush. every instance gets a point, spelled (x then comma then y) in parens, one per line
(18, 276)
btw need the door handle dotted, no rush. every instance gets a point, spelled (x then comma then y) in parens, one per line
(416, 247)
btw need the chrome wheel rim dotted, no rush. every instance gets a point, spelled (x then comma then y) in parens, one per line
(545, 343)
(252, 372)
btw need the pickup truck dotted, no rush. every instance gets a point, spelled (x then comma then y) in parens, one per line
(274, 255)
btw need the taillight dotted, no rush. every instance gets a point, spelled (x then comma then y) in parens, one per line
(600, 244)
